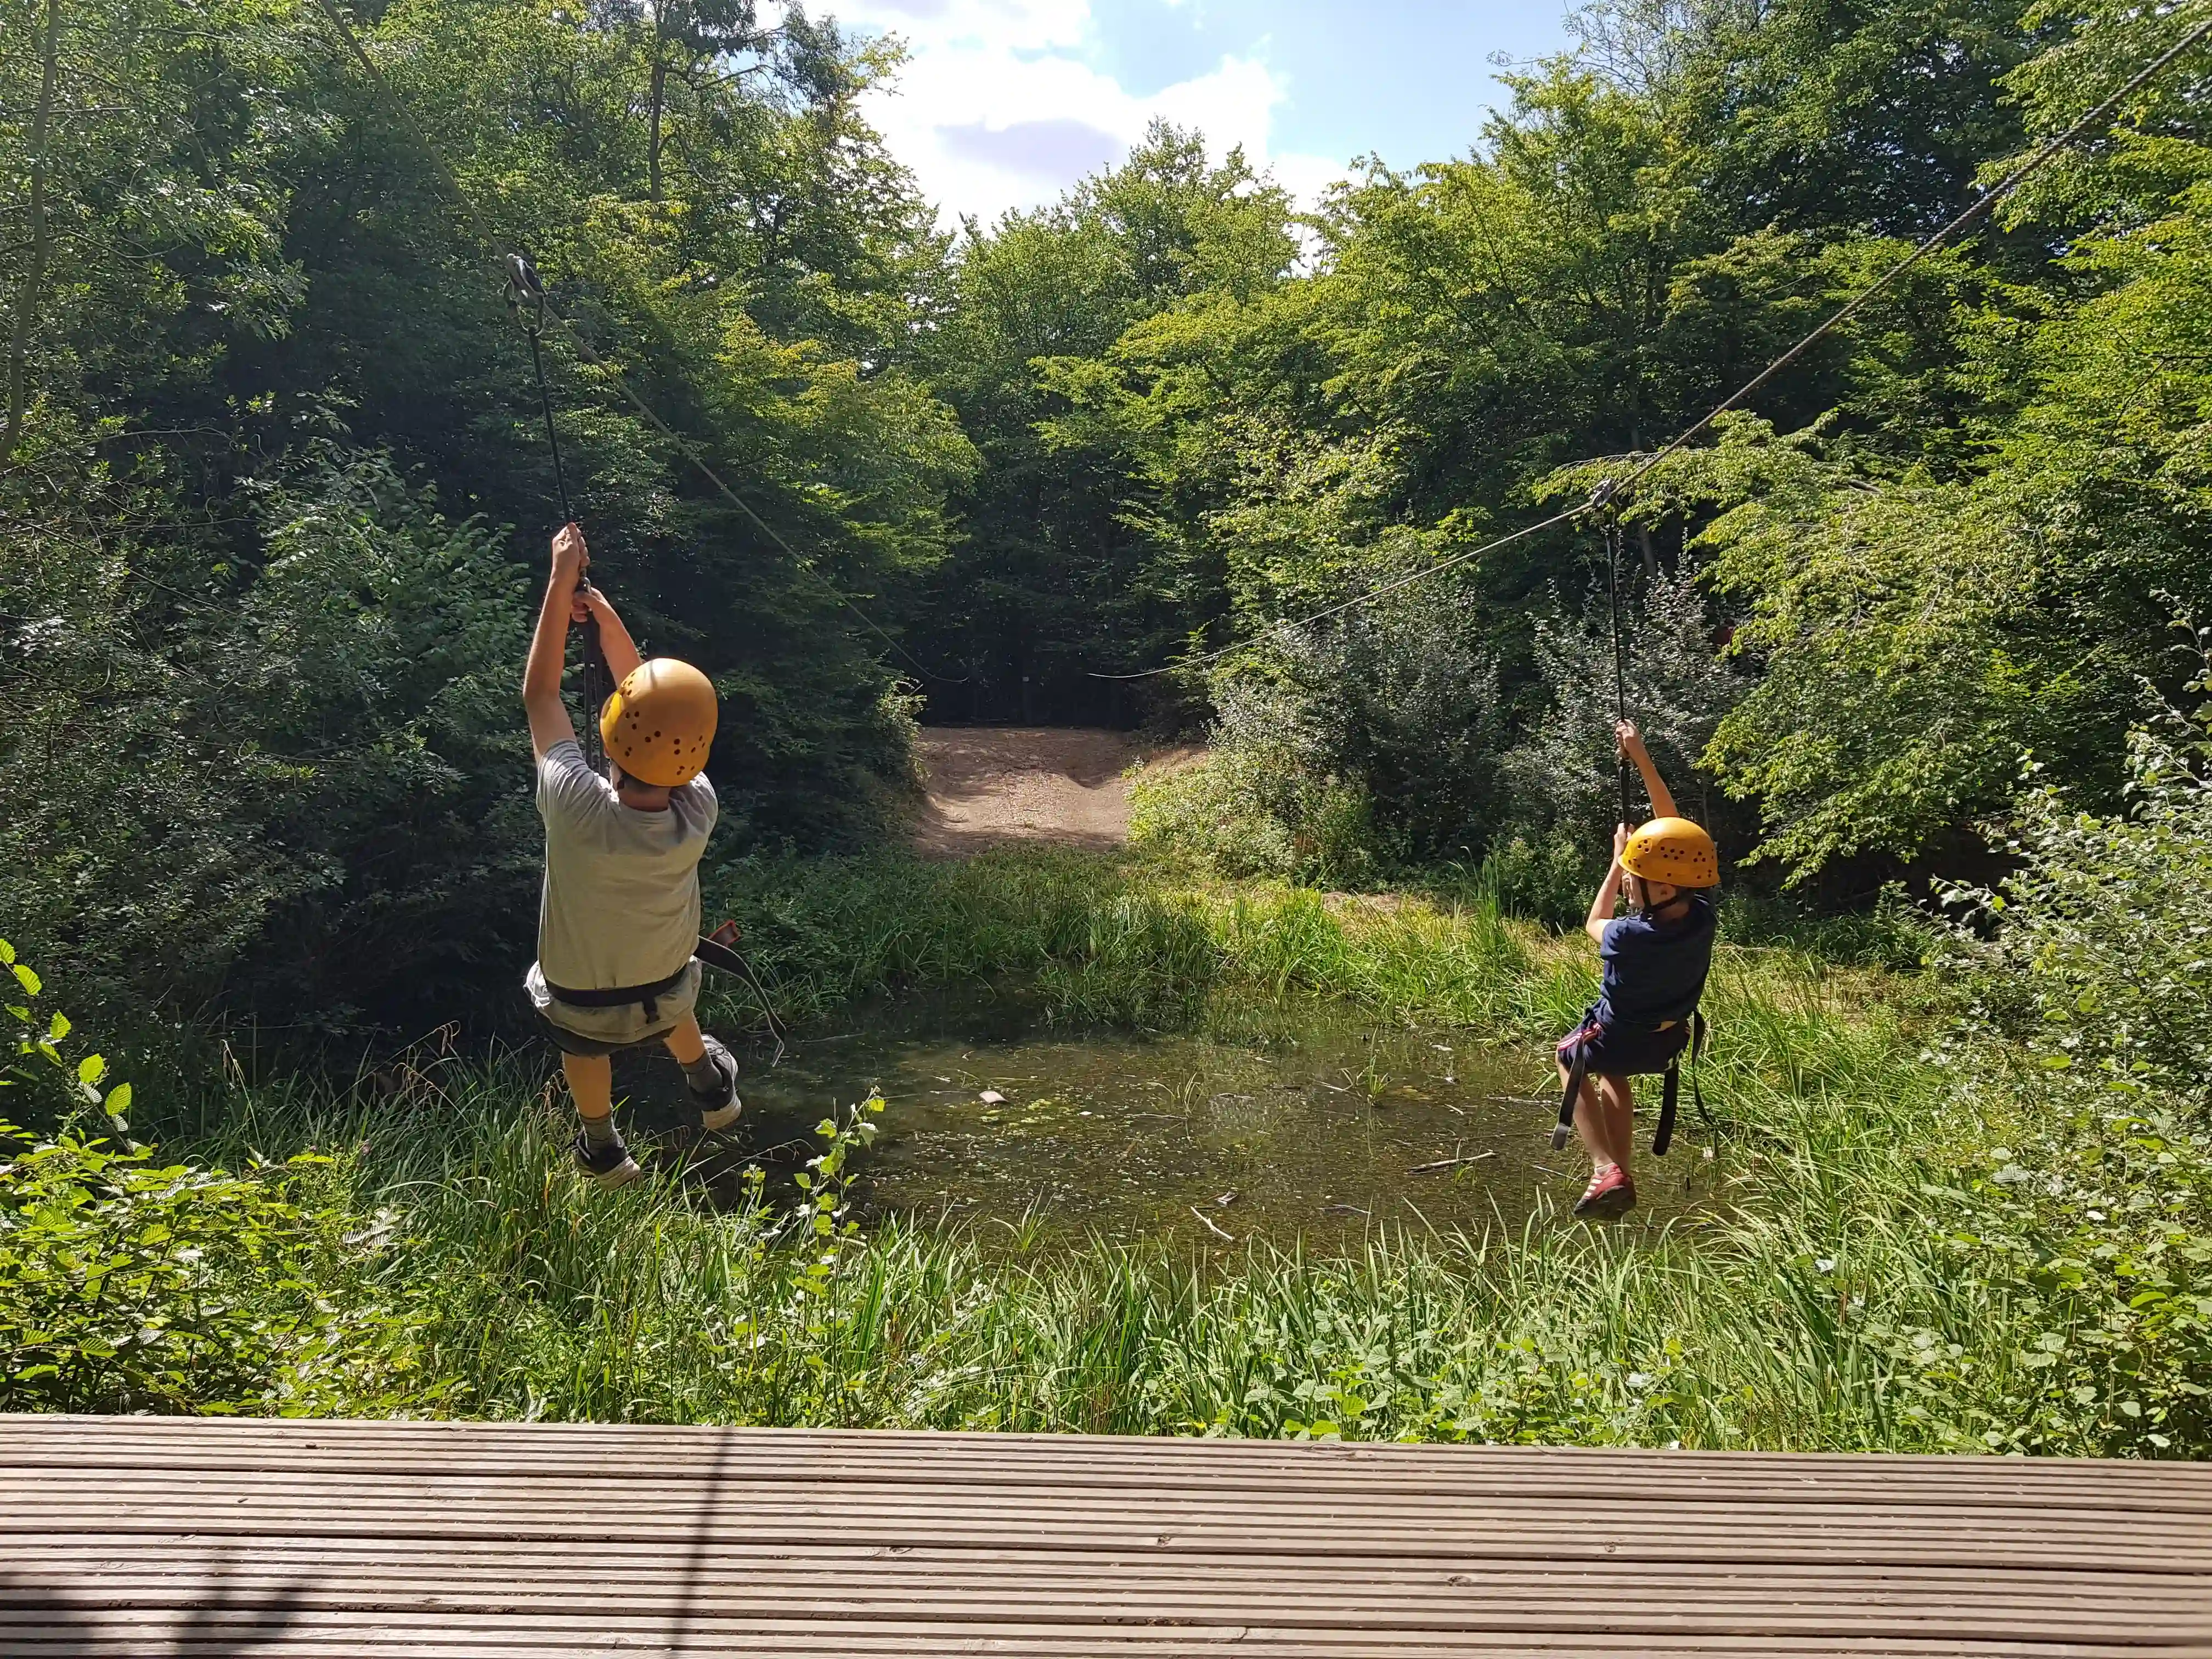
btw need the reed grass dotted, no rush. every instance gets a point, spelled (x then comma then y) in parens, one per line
(1868, 1280)
(1779, 1323)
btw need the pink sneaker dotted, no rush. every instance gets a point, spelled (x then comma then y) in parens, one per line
(1610, 1193)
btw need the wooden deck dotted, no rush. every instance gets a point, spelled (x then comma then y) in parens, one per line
(147, 1536)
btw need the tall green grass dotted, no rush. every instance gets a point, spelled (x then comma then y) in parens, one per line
(1108, 938)
(1833, 1302)
(1912, 1249)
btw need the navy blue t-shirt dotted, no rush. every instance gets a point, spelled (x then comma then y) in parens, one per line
(1655, 971)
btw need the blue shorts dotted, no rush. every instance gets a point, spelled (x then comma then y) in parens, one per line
(1623, 1051)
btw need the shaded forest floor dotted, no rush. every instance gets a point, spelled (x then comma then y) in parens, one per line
(985, 786)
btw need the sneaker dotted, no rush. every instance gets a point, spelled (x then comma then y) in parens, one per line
(719, 1109)
(1610, 1193)
(609, 1166)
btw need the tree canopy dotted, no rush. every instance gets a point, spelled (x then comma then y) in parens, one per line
(274, 484)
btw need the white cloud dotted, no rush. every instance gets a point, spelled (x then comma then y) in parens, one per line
(998, 107)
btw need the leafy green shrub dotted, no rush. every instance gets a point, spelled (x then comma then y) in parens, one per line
(1147, 961)
(130, 1285)
(1245, 811)
(1364, 742)
(303, 798)
(2101, 939)
(1563, 774)
(1549, 880)
(2093, 1232)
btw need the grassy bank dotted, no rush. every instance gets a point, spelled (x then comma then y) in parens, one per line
(1910, 1256)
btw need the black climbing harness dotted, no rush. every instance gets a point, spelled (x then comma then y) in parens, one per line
(526, 297)
(647, 997)
(1670, 1092)
(718, 950)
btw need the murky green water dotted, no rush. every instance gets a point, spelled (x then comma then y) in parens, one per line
(1302, 1124)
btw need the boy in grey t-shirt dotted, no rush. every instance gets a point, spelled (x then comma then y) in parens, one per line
(619, 918)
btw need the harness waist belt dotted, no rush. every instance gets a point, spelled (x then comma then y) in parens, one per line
(620, 996)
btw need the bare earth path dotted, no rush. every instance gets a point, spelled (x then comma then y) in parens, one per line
(988, 784)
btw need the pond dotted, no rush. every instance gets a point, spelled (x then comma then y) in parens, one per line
(1287, 1122)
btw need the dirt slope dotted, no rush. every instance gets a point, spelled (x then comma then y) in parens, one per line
(988, 784)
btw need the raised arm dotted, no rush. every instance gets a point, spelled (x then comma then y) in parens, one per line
(1632, 749)
(549, 645)
(614, 642)
(1608, 894)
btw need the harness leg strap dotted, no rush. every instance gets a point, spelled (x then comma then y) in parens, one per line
(1664, 1137)
(1577, 1069)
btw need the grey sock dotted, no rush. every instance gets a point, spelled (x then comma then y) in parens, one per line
(600, 1132)
(706, 1074)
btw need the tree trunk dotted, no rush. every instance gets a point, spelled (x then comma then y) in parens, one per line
(34, 274)
(660, 97)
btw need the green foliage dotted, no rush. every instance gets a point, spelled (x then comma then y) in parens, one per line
(1902, 1264)
(1056, 575)
(260, 587)
(130, 1285)
(1914, 1255)
(1118, 941)
(1340, 751)
(127, 1284)
(1249, 809)
(1549, 881)
(2099, 941)
(291, 792)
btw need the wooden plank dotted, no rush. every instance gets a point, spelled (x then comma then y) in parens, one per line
(2115, 1496)
(400, 1508)
(483, 1542)
(20, 1435)
(306, 1630)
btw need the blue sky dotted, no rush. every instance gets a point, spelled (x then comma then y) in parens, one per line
(1004, 103)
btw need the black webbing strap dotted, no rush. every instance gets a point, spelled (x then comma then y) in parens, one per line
(715, 954)
(1578, 1070)
(1669, 1094)
(620, 996)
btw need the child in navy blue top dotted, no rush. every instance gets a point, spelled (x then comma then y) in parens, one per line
(1656, 960)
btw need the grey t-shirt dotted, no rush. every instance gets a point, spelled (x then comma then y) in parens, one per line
(621, 905)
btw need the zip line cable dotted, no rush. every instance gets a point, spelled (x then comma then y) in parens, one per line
(1620, 643)
(485, 235)
(1614, 492)
(526, 298)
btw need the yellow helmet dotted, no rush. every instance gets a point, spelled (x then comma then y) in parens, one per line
(1675, 851)
(660, 723)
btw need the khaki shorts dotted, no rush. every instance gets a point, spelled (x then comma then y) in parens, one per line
(602, 1031)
